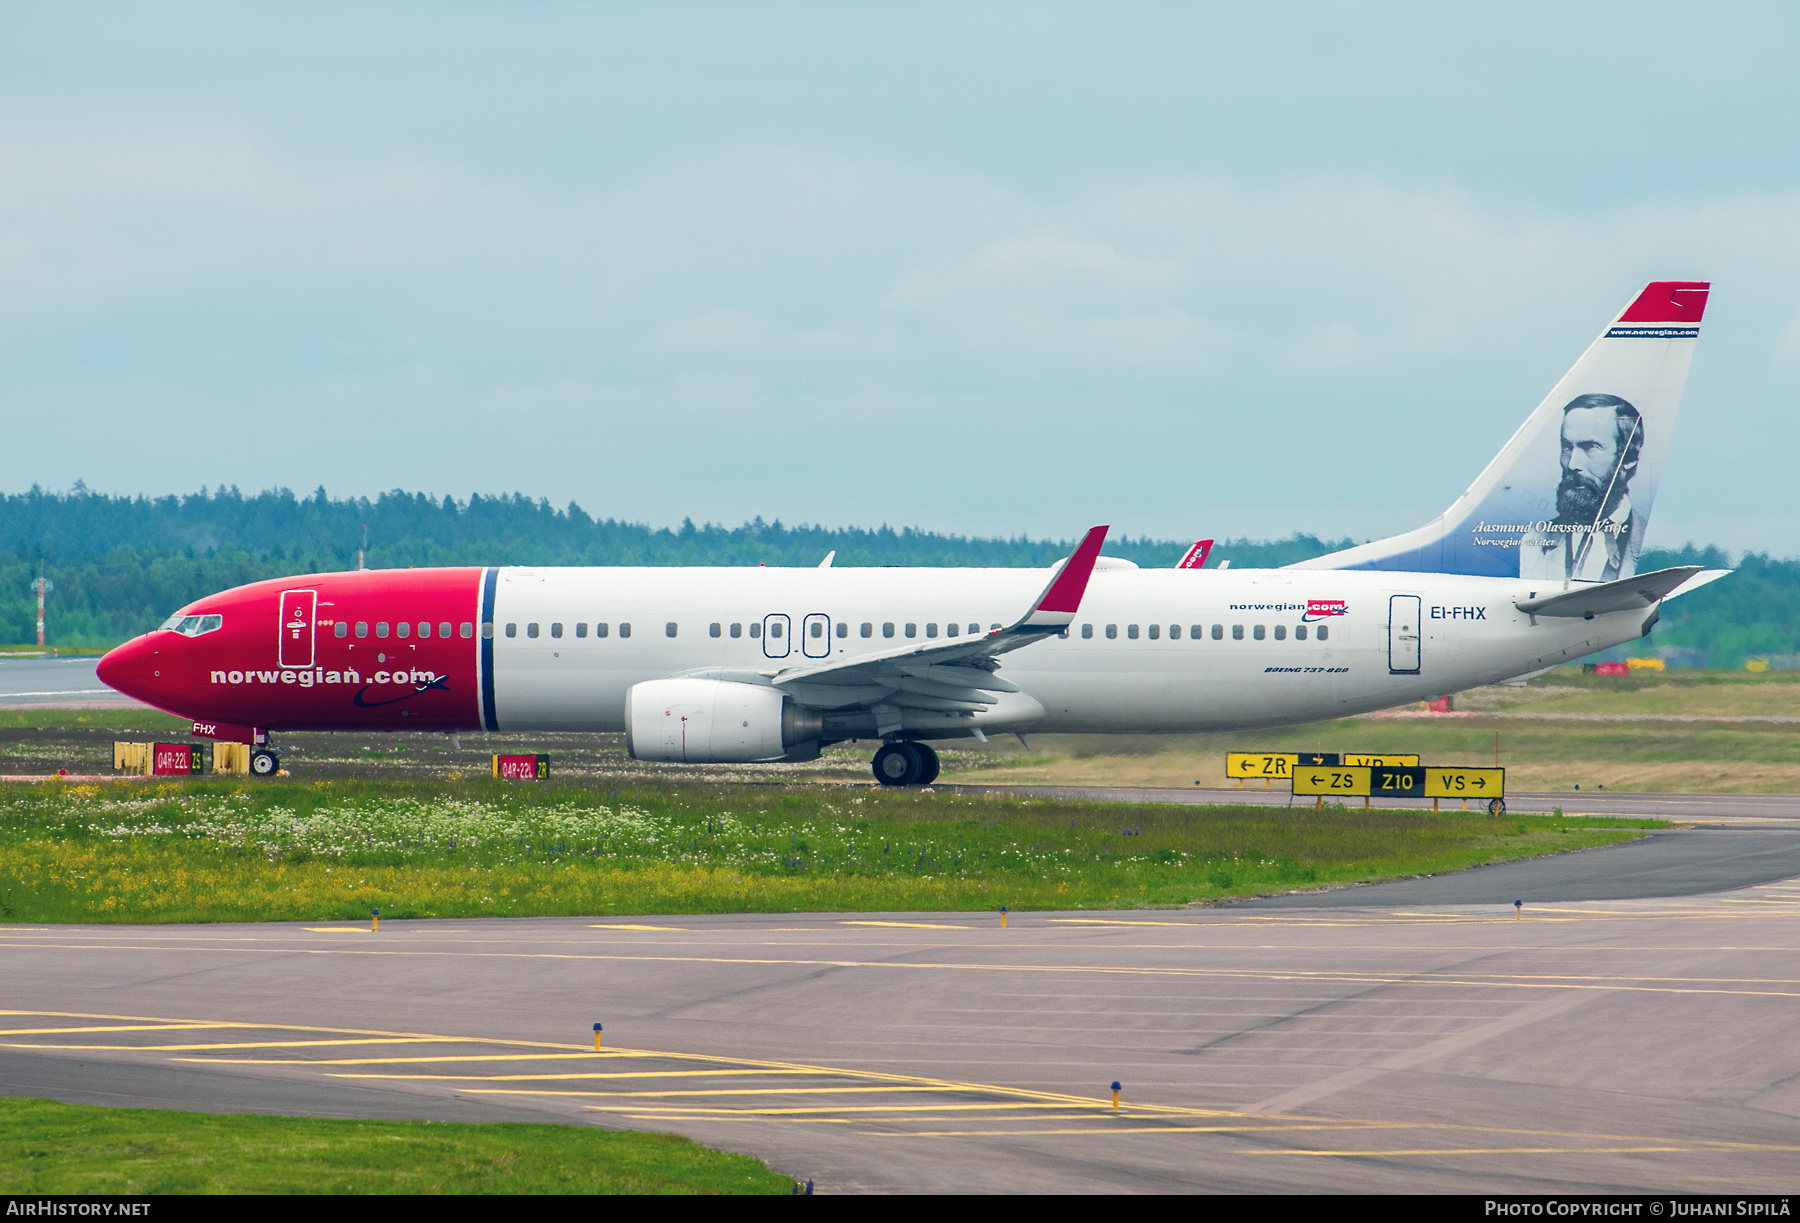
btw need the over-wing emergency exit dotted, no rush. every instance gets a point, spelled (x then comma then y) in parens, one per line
(1534, 565)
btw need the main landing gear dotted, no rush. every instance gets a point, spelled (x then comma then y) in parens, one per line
(264, 763)
(906, 763)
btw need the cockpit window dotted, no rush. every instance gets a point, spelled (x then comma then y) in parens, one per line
(193, 626)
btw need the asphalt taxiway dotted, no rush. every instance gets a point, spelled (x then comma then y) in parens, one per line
(1649, 1044)
(51, 683)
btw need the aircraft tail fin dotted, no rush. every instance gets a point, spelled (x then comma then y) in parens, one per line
(1196, 555)
(1568, 498)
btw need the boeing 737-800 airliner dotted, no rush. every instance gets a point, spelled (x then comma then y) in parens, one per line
(1534, 565)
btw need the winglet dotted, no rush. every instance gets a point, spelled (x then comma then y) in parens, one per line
(1061, 599)
(1196, 555)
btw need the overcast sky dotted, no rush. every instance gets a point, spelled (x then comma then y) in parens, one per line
(1188, 269)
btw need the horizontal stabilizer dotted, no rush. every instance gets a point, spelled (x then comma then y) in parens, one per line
(1626, 594)
(1698, 580)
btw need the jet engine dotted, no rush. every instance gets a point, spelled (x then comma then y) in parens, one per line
(712, 721)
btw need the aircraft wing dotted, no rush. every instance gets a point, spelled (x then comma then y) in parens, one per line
(955, 676)
(1626, 594)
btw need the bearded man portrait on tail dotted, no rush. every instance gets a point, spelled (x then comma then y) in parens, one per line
(1596, 535)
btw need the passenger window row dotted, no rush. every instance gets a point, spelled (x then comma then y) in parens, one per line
(911, 629)
(601, 629)
(816, 629)
(405, 628)
(1198, 631)
(889, 629)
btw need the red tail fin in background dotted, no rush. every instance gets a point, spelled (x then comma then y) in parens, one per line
(1196, 556)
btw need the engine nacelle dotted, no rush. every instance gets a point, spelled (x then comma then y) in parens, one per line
(712, 721)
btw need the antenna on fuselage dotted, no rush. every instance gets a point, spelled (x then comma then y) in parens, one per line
(362, 552)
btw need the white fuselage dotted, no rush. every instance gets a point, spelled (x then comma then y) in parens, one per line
(1196, 673)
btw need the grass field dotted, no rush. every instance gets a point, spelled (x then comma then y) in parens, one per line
(51, 1148)
(1652, 732)
(295, 850)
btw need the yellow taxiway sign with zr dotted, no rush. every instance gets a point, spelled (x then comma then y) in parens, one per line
(1260, 764)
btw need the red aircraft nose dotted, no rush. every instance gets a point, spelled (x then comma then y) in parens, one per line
(131, 669)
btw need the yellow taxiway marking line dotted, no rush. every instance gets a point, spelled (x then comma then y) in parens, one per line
(708, 1113)
(1485, 1151)
(1101, 921)
(338, 930)
(563, 1050)
(1423, 978)
(906, 925)
(255, 1044)
(122, 1027)
(532, 1078)
(712, 1091)
(589, 1055)
(555, 1048)
(1016, 1099)
(1010, 1101)
(1114, 1124)
(678, 929)
(650, 1112)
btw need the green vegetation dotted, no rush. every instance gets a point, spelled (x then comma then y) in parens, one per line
(123, 722)
(1754, 612)
(46, 1147)
(121, 565)
(222, 851)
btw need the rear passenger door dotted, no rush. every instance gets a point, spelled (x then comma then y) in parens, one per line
(1403, 634)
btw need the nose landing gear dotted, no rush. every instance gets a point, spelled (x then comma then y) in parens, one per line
(906, 763)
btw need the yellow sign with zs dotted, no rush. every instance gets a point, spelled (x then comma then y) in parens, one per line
(1260, 764)
(1351, 782)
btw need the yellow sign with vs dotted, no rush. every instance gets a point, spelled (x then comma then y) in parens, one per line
(1465, 783)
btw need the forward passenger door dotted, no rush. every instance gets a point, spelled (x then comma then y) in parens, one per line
(815, 636)
(775, 636)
